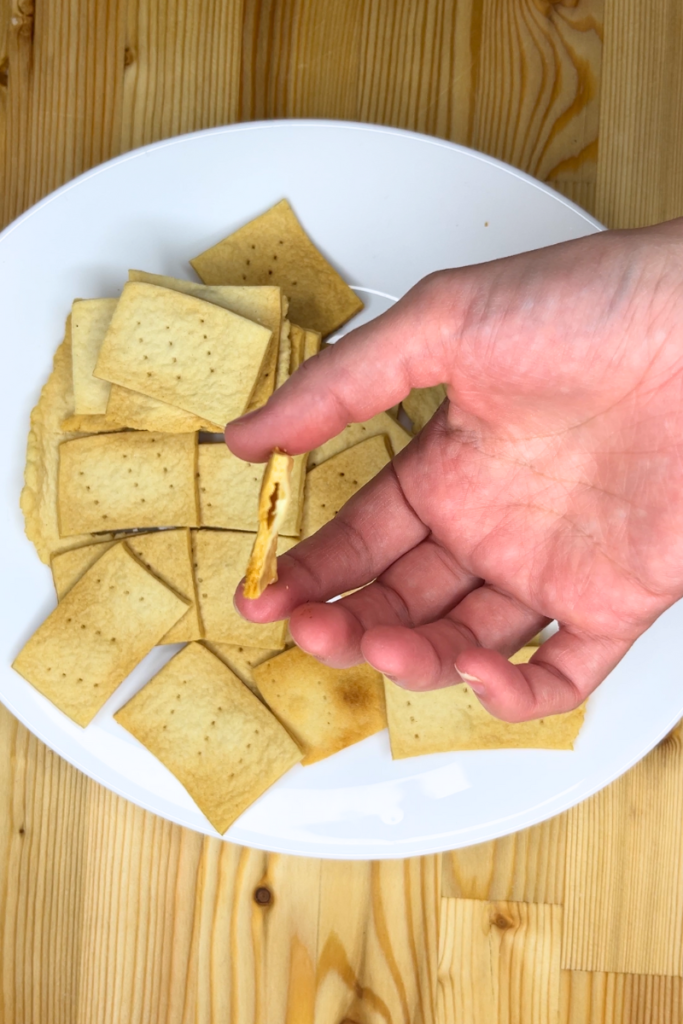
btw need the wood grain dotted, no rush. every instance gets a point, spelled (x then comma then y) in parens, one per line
(527, 866)
(624, 871)
(596, 998)
(499, 962)
(640, 174)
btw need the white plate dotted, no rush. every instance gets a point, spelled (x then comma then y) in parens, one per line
(387, 207)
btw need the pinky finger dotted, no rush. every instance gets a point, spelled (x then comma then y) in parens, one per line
(559, 677)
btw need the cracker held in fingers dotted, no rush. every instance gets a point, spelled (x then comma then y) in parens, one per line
(276, 491)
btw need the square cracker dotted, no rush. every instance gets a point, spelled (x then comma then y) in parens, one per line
(128, 480)
(134, 411)
(262, 304)
(229, 491)
(241, 660)
(166, 553)
(382, 423)
(39, 494)
(110, 619)
(219, 560)
(330, 485)
(205, 726)
(274, 498)
(453, 719)
(183, 351)
(275, 249)
(324, 709)
(90, 319)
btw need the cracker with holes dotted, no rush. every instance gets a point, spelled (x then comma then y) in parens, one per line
(452, 718)
(262, 304)
(90, 319)
(229, 491)
(325, 709)
(241, 660)
(275, 249)
(183, 351)
(127, 481)
(382, 423)
(109, 620)
(276, 491)
(215, 736)
(166, 553)
(219, 558)
(331, 484)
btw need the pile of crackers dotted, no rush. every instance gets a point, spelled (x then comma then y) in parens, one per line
(147, 521)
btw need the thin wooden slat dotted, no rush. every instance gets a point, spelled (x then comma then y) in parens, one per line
(624, 874)
(527, 866)
(499, 962)
(378, 941)
(64, 92)
(597, 998)
(43, 834)
(640, 164)
(182, 68)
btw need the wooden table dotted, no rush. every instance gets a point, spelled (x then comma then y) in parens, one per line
(111, 915)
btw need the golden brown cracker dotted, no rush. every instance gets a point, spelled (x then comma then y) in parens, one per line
(183, 351)
(274, 498)
(128, 480)
(109, 620)
(331, 484)
(205, 726)
(275, 249)
(324, 709)
(382, 423)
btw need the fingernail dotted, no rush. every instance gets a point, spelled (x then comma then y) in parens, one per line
(475, 682)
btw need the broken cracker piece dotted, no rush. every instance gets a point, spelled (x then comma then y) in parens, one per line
(274, 498)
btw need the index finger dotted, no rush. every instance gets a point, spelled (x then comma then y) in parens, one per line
(366, 372)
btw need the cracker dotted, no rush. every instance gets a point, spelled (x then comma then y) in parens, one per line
(312, 343)
(229, 490)
(382, 423)
(324, 709)
(453, 719)
(166, 553)
(421, 404)
(39, 494)
(105, 625)
(262, 304)
(297, 338)
(205, 726)
(285, 354)
(241, 660)
(127, 480)
(219, 560)
(183, 351)
(134, 411)
(275, 249)
(90, 319)
(331, 484)
(276, 490)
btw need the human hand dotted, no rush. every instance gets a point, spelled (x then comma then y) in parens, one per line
(549, 486)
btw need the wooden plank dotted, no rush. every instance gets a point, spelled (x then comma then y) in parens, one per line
(378, 941)
(597, 998)
(65, 75)
(182, 68)
(527, 866)
(499, 961)
(624, 872)
(640, 164)
(44, 804)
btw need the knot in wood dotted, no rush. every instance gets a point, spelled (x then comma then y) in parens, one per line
(263, 896)
(501, 921)
(4, 71)
(128, 59)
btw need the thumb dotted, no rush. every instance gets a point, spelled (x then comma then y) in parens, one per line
(364, 373)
